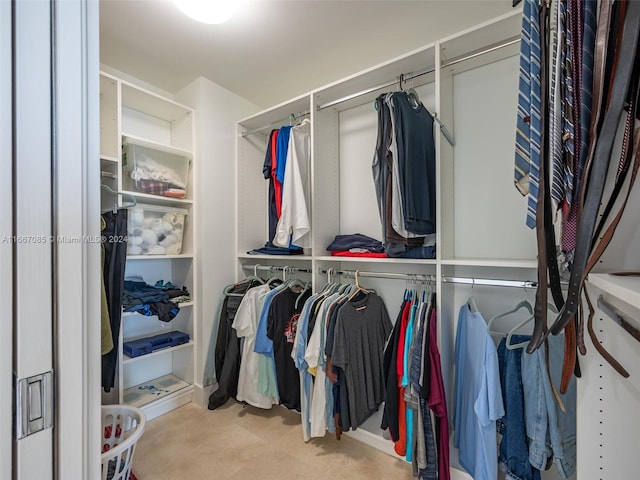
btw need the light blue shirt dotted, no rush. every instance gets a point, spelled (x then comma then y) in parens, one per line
(306, 382)
(267, 383)
(478, 396)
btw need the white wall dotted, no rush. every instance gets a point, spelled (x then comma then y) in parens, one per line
(216, 111)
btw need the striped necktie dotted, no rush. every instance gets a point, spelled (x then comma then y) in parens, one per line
(556, 107)
(527, 151)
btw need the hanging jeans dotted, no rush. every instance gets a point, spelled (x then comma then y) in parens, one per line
(551, 432)
(514, 448)
(115, 255)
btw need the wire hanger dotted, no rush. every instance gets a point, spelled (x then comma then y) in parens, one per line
(131, 198)
(472, 300)
(523, 304)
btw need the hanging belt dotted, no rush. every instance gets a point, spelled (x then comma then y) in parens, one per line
(598, 346)
(545, 232)
(601, 247)
(599, 167)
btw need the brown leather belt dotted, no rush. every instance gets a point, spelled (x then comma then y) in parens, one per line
(600, 165)
(598, 346)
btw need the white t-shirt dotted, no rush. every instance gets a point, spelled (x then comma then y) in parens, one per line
(246, 325)
(294, 217)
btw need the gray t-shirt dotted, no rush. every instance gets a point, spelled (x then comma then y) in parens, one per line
(361, 332)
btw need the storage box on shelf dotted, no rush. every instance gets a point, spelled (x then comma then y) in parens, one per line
(155, 230)
(155, 169)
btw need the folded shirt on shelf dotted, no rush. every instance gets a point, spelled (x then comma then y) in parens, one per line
(270, 249)
(342, 243)
(159, 300)
(354, 252)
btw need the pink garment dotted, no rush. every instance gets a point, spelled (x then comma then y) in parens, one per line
(437, 400)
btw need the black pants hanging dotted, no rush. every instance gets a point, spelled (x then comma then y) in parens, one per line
(228, 354)
(115, 256)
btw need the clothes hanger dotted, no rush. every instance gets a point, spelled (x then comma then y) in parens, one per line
(523, 304)
(305, 287)
(412, 95)
(255, 277)
(228, 291)
(472, 301)
(132, 200)
(358, 288)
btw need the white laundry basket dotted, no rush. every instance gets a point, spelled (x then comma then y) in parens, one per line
(122, 426)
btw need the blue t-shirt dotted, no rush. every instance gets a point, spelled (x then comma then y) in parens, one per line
(478, 396)
(282, 147)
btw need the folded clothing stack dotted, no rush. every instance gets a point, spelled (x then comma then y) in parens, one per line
(160, 300)
(356, 245)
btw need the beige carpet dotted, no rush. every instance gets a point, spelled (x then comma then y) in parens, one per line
(243, 442)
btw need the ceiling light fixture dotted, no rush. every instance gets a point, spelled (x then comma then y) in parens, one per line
(207, 11)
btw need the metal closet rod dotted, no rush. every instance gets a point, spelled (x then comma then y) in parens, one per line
(453, 61)
(397, 276)
(390, 83)
(277, 268)
(291, 118)
(492, 282)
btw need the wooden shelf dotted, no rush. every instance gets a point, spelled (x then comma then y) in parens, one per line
(159, 257)
(157, 199)
(154, 390)
(626, 289)
(144, 142)
(180, 305)
(497, 263)
(108, 158)
(126, 360)
(382, 261)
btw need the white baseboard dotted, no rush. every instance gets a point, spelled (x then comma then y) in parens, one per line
(168, 403)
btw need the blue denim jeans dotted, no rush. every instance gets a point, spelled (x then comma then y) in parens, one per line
(551, 431)
(514, 448)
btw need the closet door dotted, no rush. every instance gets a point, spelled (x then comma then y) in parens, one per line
(49, 248)
(31, 231)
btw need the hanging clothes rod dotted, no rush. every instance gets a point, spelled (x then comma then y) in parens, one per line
(277, 268)
(490, 282)
(396, 276)
(482, 51)
(445, 279)
(291, 118)
(453, 61)
(390, 83)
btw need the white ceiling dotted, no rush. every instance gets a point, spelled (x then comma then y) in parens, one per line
(272, 50)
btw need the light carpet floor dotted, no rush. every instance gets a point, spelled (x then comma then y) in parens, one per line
(241, 442)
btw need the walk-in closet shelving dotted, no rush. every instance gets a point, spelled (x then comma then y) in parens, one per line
(132, 114)
(252, 188)
(471, 82)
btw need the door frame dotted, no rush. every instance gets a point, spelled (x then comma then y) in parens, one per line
(6, 248)
(77, 157)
